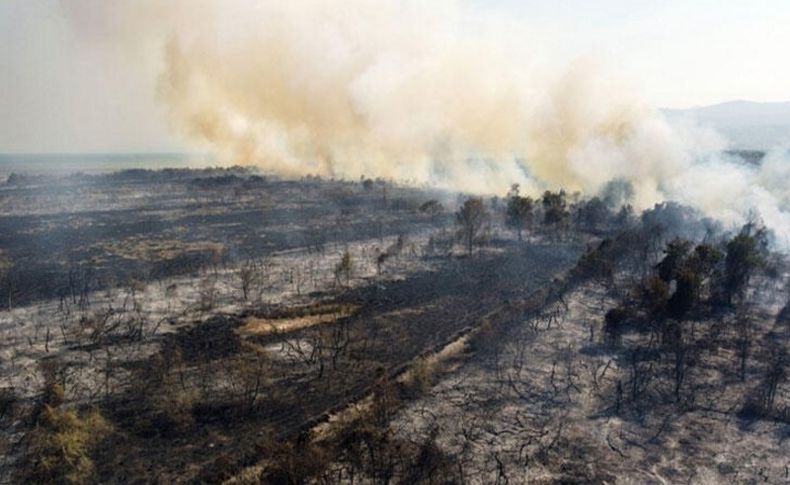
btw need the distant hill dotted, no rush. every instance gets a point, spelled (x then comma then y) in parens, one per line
(748, 125)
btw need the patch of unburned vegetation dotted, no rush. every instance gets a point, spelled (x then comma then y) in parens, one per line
(5, 261)
(297, 319)
(139, 248)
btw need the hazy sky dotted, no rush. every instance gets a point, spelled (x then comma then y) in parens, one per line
(61, 92)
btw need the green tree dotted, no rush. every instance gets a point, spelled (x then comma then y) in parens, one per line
(518, 214)
(686, 293)
(654, 297)
(744, 256)
(690, 270)
(554, 208)
(674, 256)
(592, 213)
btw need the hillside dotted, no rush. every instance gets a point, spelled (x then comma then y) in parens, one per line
(748, 125)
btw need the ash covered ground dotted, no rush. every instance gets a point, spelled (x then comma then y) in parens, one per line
(219, 326)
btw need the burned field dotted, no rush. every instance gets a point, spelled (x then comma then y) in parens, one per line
(313, 371)
(217, 326)
(70, 236)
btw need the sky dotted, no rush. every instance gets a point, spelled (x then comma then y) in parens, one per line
(679, 53)
(61, 91)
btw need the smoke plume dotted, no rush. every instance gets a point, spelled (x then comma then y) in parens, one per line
(428, 92)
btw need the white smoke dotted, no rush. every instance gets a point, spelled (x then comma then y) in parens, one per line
(729, 190)
(427, 92)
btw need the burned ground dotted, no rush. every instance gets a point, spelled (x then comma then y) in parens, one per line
(396, 322)
(66, 237)
(216, 326)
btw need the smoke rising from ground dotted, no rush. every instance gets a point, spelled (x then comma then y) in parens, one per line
(428, 94)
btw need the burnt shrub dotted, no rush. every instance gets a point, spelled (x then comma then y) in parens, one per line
(614, 322)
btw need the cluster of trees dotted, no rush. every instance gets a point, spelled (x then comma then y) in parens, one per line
(695, 301)
(520, 211)
(552, 212)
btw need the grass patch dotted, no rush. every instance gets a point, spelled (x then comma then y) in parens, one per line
(297, 319)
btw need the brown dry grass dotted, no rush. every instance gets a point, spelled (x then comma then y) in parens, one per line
(145, 249)
(5, 261)
(315, 316)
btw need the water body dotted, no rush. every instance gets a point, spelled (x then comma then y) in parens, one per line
(67, 163)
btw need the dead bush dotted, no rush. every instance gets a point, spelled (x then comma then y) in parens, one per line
(172, 407)
(208, 293)
(247, 374)
(486, 339)
(420, 377)
(293, 463)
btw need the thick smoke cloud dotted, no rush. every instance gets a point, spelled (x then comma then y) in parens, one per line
(427, 92)
(398, 89)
